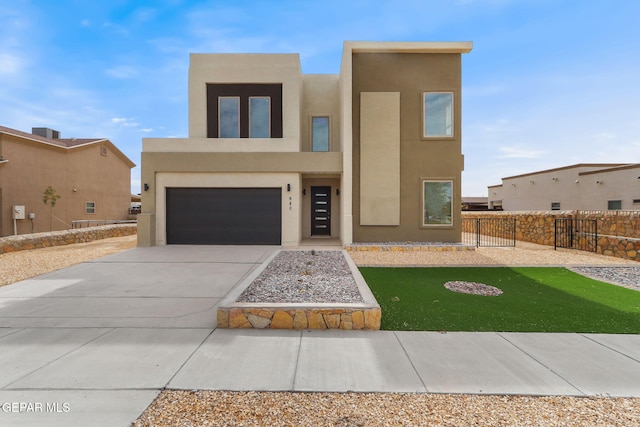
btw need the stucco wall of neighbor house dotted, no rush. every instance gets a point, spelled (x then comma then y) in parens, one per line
(320, 98)
(410, 74)
(247, 68)
(32, 166)
(582, 187)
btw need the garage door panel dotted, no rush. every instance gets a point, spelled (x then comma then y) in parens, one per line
(233, 216)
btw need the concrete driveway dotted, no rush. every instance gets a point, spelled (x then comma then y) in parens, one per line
(94, 344)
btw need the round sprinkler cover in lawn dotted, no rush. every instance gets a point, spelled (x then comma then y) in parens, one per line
(473, 288)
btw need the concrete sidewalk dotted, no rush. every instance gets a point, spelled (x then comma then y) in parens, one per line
(94, 344)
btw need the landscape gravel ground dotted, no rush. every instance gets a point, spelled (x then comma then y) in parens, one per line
(220, 408)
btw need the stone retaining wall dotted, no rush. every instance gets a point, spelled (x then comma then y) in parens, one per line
(67, 237)
(299, 318)
(618, 231)
(408, 247)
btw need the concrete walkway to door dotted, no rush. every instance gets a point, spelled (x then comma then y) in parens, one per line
(94, 344)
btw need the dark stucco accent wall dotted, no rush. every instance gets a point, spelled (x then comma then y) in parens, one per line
(244, 91)
(411, 74)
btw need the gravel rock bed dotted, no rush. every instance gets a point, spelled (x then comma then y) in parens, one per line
(473, 288)
(407, 244)
(221, 408)
(626, 276)
(304, 277)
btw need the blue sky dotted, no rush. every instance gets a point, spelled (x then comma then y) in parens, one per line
(548, 83)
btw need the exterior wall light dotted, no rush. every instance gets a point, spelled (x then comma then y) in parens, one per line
(288, 187)
(598, 182)
(146, 187)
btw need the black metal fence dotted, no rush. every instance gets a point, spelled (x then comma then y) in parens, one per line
(574, 233)
(489, 232)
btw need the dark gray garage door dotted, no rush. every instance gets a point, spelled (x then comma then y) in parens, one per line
(224, 216)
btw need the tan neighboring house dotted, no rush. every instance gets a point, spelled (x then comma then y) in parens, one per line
(91, 176)
(584, 186)
(275, 156)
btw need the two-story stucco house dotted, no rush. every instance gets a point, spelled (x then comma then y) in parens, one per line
(274, 156)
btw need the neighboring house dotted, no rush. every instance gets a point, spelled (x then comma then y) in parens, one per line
(475, 203)
(275, 156)
(584, 186)
(91, 176)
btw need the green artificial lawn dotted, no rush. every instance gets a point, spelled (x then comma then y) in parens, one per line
(534, 299)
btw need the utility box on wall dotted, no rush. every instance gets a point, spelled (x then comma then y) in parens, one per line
(18, 212)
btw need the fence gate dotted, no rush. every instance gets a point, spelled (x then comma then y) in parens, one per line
(572, 233)
(489, 232)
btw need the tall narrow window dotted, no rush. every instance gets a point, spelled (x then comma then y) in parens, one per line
(320, 134)
(229, 117)
(438, 114)
(437, 202)
(259, 117)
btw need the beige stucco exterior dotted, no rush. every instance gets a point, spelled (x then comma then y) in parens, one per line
(575, 187)
(290, 164)
(90, 171)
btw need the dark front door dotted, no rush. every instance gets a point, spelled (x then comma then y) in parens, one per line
(321, 211)
(224, 216)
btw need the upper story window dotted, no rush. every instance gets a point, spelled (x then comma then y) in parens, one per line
(437, 114)
(320, 134)
(244, 110)
(259, 117)
(228, 117)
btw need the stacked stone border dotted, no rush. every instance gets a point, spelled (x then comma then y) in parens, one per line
(348, 316)
(618, 231)
(66, 237)
(408, 247)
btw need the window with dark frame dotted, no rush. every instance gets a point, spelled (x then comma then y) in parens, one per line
(555, 206)
(258, 113)
(614, 205)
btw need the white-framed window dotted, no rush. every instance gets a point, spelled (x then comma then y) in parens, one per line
(437, 114)
(259, 117)
(437, 202)
(614, 205)
(320, 133)
(90, 207)
(555, 206)
(229, 117)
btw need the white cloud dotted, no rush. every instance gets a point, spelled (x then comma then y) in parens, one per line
(520, 153)
(122, 72)
(10, 64)
(124, 122)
